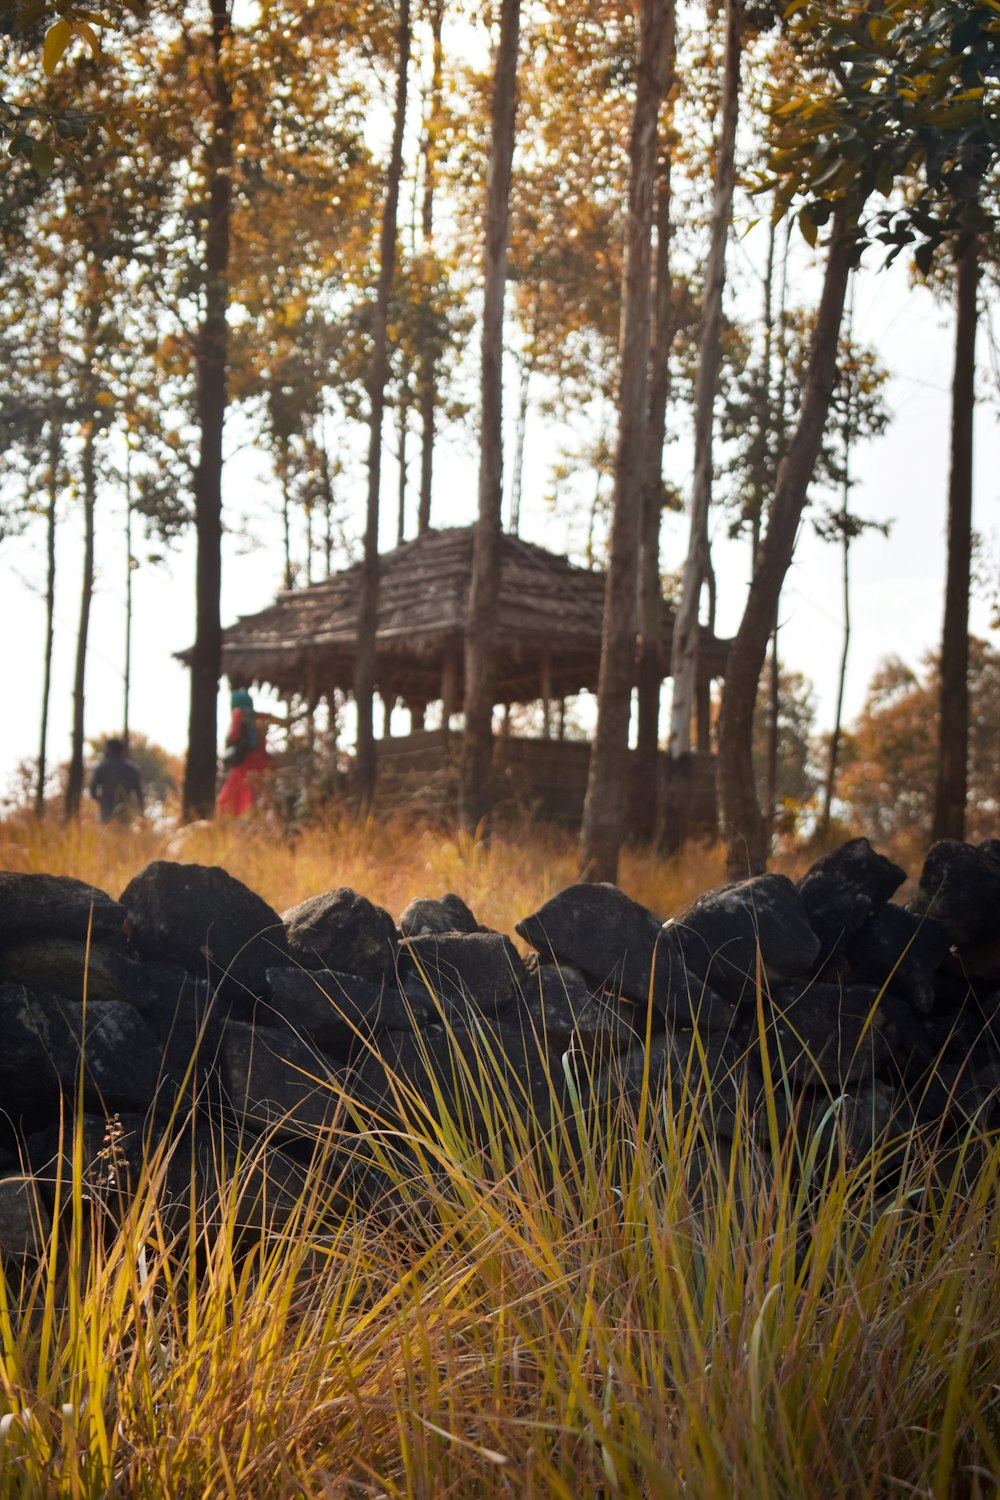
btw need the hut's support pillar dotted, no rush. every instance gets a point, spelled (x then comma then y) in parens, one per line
(387, 707)
(449, 687)
(418, 716)
(546, 695)
(703, 711)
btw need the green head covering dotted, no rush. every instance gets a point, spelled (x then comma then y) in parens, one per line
(241, 699)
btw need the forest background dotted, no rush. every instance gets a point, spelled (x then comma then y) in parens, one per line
(567, 217)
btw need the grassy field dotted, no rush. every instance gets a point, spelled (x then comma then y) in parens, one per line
(616, 1310)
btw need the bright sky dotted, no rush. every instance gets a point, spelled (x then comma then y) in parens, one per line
(897, 589)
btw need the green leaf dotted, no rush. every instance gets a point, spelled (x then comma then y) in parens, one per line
(923, 257)
(885, 179)
(56, 41)
(808, 226)
(43, 159)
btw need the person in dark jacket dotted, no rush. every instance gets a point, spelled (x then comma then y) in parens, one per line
(117, 785)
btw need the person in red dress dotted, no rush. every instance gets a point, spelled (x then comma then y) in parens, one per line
(246, 755)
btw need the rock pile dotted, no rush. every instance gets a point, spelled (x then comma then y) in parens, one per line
(189, 1008)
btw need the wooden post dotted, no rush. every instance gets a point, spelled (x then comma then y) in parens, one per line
(703, 710)
(546, 695)
(449, 687)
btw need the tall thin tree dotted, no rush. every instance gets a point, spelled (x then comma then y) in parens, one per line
(428, 372)
(684, 657)
(211, 373)
(484, 591)
(364, 668)
(953, 720)
(650, 665)
(606, 806)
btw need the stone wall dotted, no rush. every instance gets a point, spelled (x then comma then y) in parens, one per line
(188, 1010)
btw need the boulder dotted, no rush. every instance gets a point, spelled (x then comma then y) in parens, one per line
(43, 1037)
(71, 967)
(558, 1006)
(825, 1036)
(111, 1157)
(722, 933)
(901, 951)
(186, 1015)
(960, 888)
(340, 1012)
(475, 1078)
(343, 931)
(55, 906)
(844, 889)
(481, 970)
(621, 947)
(201, 917)
(449, 914)
(25, 1226)
(275, 1083)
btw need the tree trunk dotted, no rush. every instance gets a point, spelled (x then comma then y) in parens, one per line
(127, 693)
(480, 647)
(773, 739)
(650, 667)
(288, 576)
(830, 783)
(211, 366)
(74, 784)
(52, 482)
(953, 730)
(428, 360)
(743, 826)
(403, 418)
(364, 665)
(520, 433)
(606, 806)
(684, 657)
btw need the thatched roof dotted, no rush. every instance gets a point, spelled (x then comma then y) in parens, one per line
(304, 642)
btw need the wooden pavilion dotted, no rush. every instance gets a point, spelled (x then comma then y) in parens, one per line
(548, 649)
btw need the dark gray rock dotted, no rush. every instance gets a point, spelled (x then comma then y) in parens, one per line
(112, 1152)
(990, 848)
(449, 914)
(340, 1012)
(25, 1226)
(825, 1036)
(722, 932)
(254, 1190)
(68, 966)
(961, 1091)
(459, 970)
(186, 1015)
(960, 887)
(979, 963)
(558, 1005)
(901, 951)
(43, 1036)
(343, 931)
(703, 1079)
(202, 918)
(844, 889)
(275, 1082)
(55, 906)
(915, 1041)
(621, 947)
(478, 1078)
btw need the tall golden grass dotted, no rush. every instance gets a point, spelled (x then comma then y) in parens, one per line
(389, 860)
(612, 1308)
